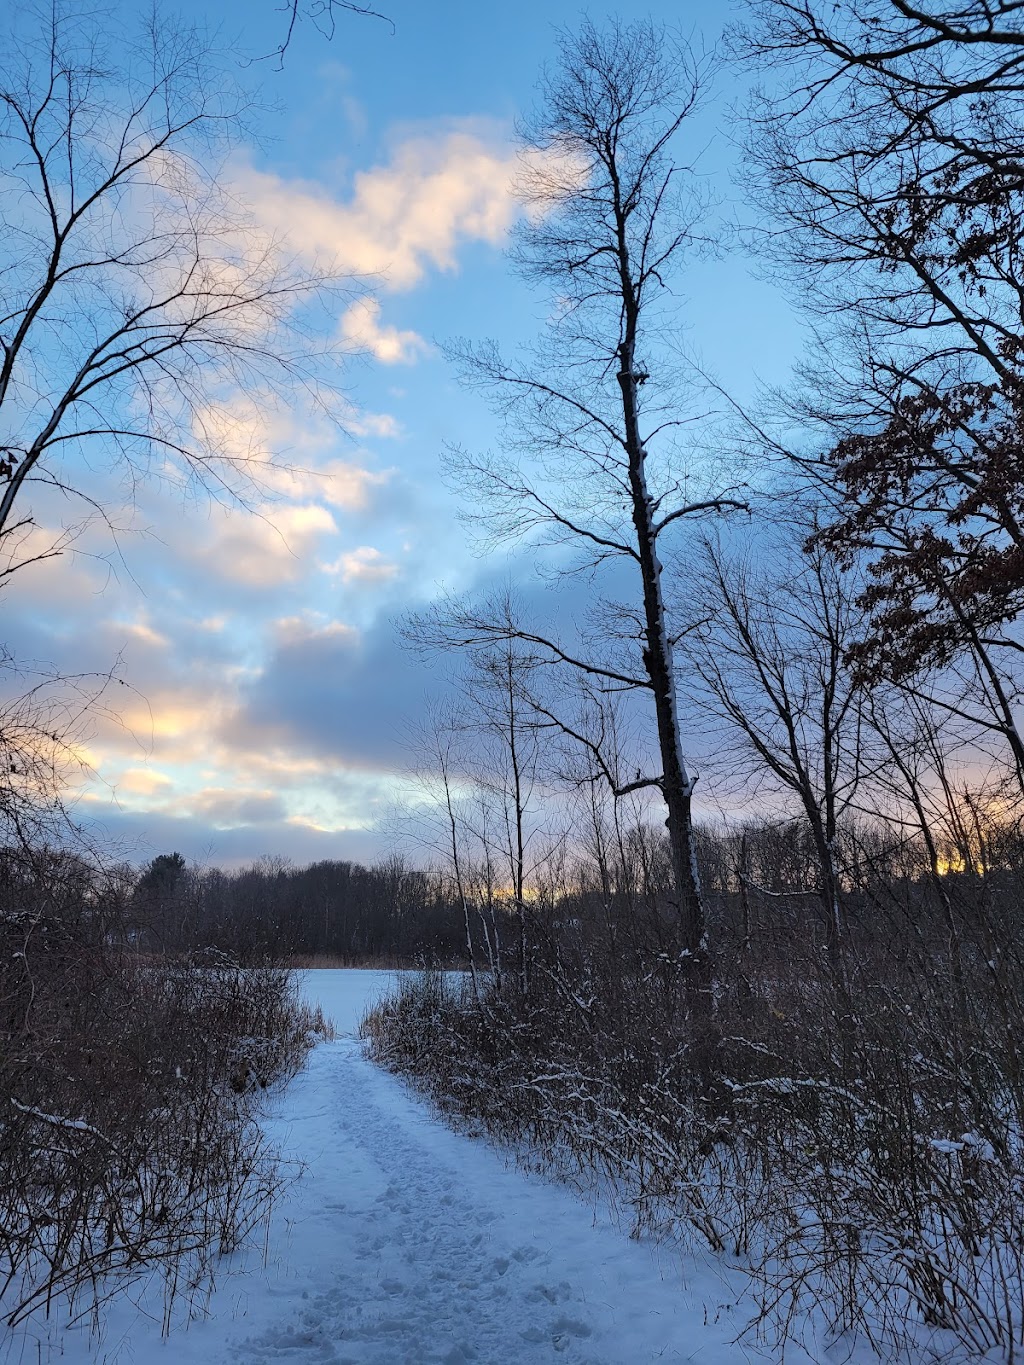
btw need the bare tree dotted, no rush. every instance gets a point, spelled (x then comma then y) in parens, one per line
(469, 815)
(595, 454)
(135, 292)
(507, 770)
(769, 663)
(888, 153)
(482, 802)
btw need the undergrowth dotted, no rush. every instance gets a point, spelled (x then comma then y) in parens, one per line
(129, 1097)
(852, 1142)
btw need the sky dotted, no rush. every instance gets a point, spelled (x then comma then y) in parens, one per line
(262, 700)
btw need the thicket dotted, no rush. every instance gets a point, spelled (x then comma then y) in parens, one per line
(852, 1140)
(129, 1134)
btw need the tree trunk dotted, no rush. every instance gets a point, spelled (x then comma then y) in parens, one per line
(676, 783)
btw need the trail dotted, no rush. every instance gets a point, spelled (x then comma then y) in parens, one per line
(433, 1251)
(429, 1248)
(403, 1243)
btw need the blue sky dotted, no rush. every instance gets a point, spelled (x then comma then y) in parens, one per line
(263, 696)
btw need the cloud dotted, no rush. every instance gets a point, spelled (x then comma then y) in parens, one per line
(171, 723)
(140, 835)
(262, 552)
(298, 630)
(142, 782)
(363, 565)
(348, 485)
(404, 217)
(227, 808)
(257, 428)
(361, 327)
(332, 695)
(379, 424)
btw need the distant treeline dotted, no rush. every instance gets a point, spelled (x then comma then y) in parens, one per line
(392, 912)
(389, 912)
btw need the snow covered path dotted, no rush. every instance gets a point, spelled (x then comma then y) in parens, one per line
(405, 1244)
(432, 1251)
(429, 1249)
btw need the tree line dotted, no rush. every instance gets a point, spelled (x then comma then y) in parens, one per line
(331, 912)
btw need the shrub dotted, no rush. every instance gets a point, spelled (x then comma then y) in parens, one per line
(128, 1095)
(853, 1142)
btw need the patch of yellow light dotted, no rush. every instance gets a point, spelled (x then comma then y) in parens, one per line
(954, 863)
(280, 766)
(507, 894)
(80, 754)
(138, 630)
(167, 720)
(318, 827)
(142, 781)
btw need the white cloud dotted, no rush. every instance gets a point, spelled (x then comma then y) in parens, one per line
(341, 484)
(362, 565)
(289, 449)
(361, 327)
(403, 217)
(263, 552)
(379, 424)
(299, 630)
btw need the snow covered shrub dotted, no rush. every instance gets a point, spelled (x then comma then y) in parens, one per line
(126, 1141)
(853, 1137)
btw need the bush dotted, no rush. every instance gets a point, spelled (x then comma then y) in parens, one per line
(128, 1095)
(853, 1141)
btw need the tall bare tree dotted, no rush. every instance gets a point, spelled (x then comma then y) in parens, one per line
(595, 456)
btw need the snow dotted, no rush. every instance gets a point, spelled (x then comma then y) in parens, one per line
(401, 1242)
(56, 1121)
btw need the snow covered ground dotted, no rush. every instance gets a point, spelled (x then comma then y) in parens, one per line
(403, 1243)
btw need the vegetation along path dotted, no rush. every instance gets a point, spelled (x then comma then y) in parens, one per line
(403, 1243)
